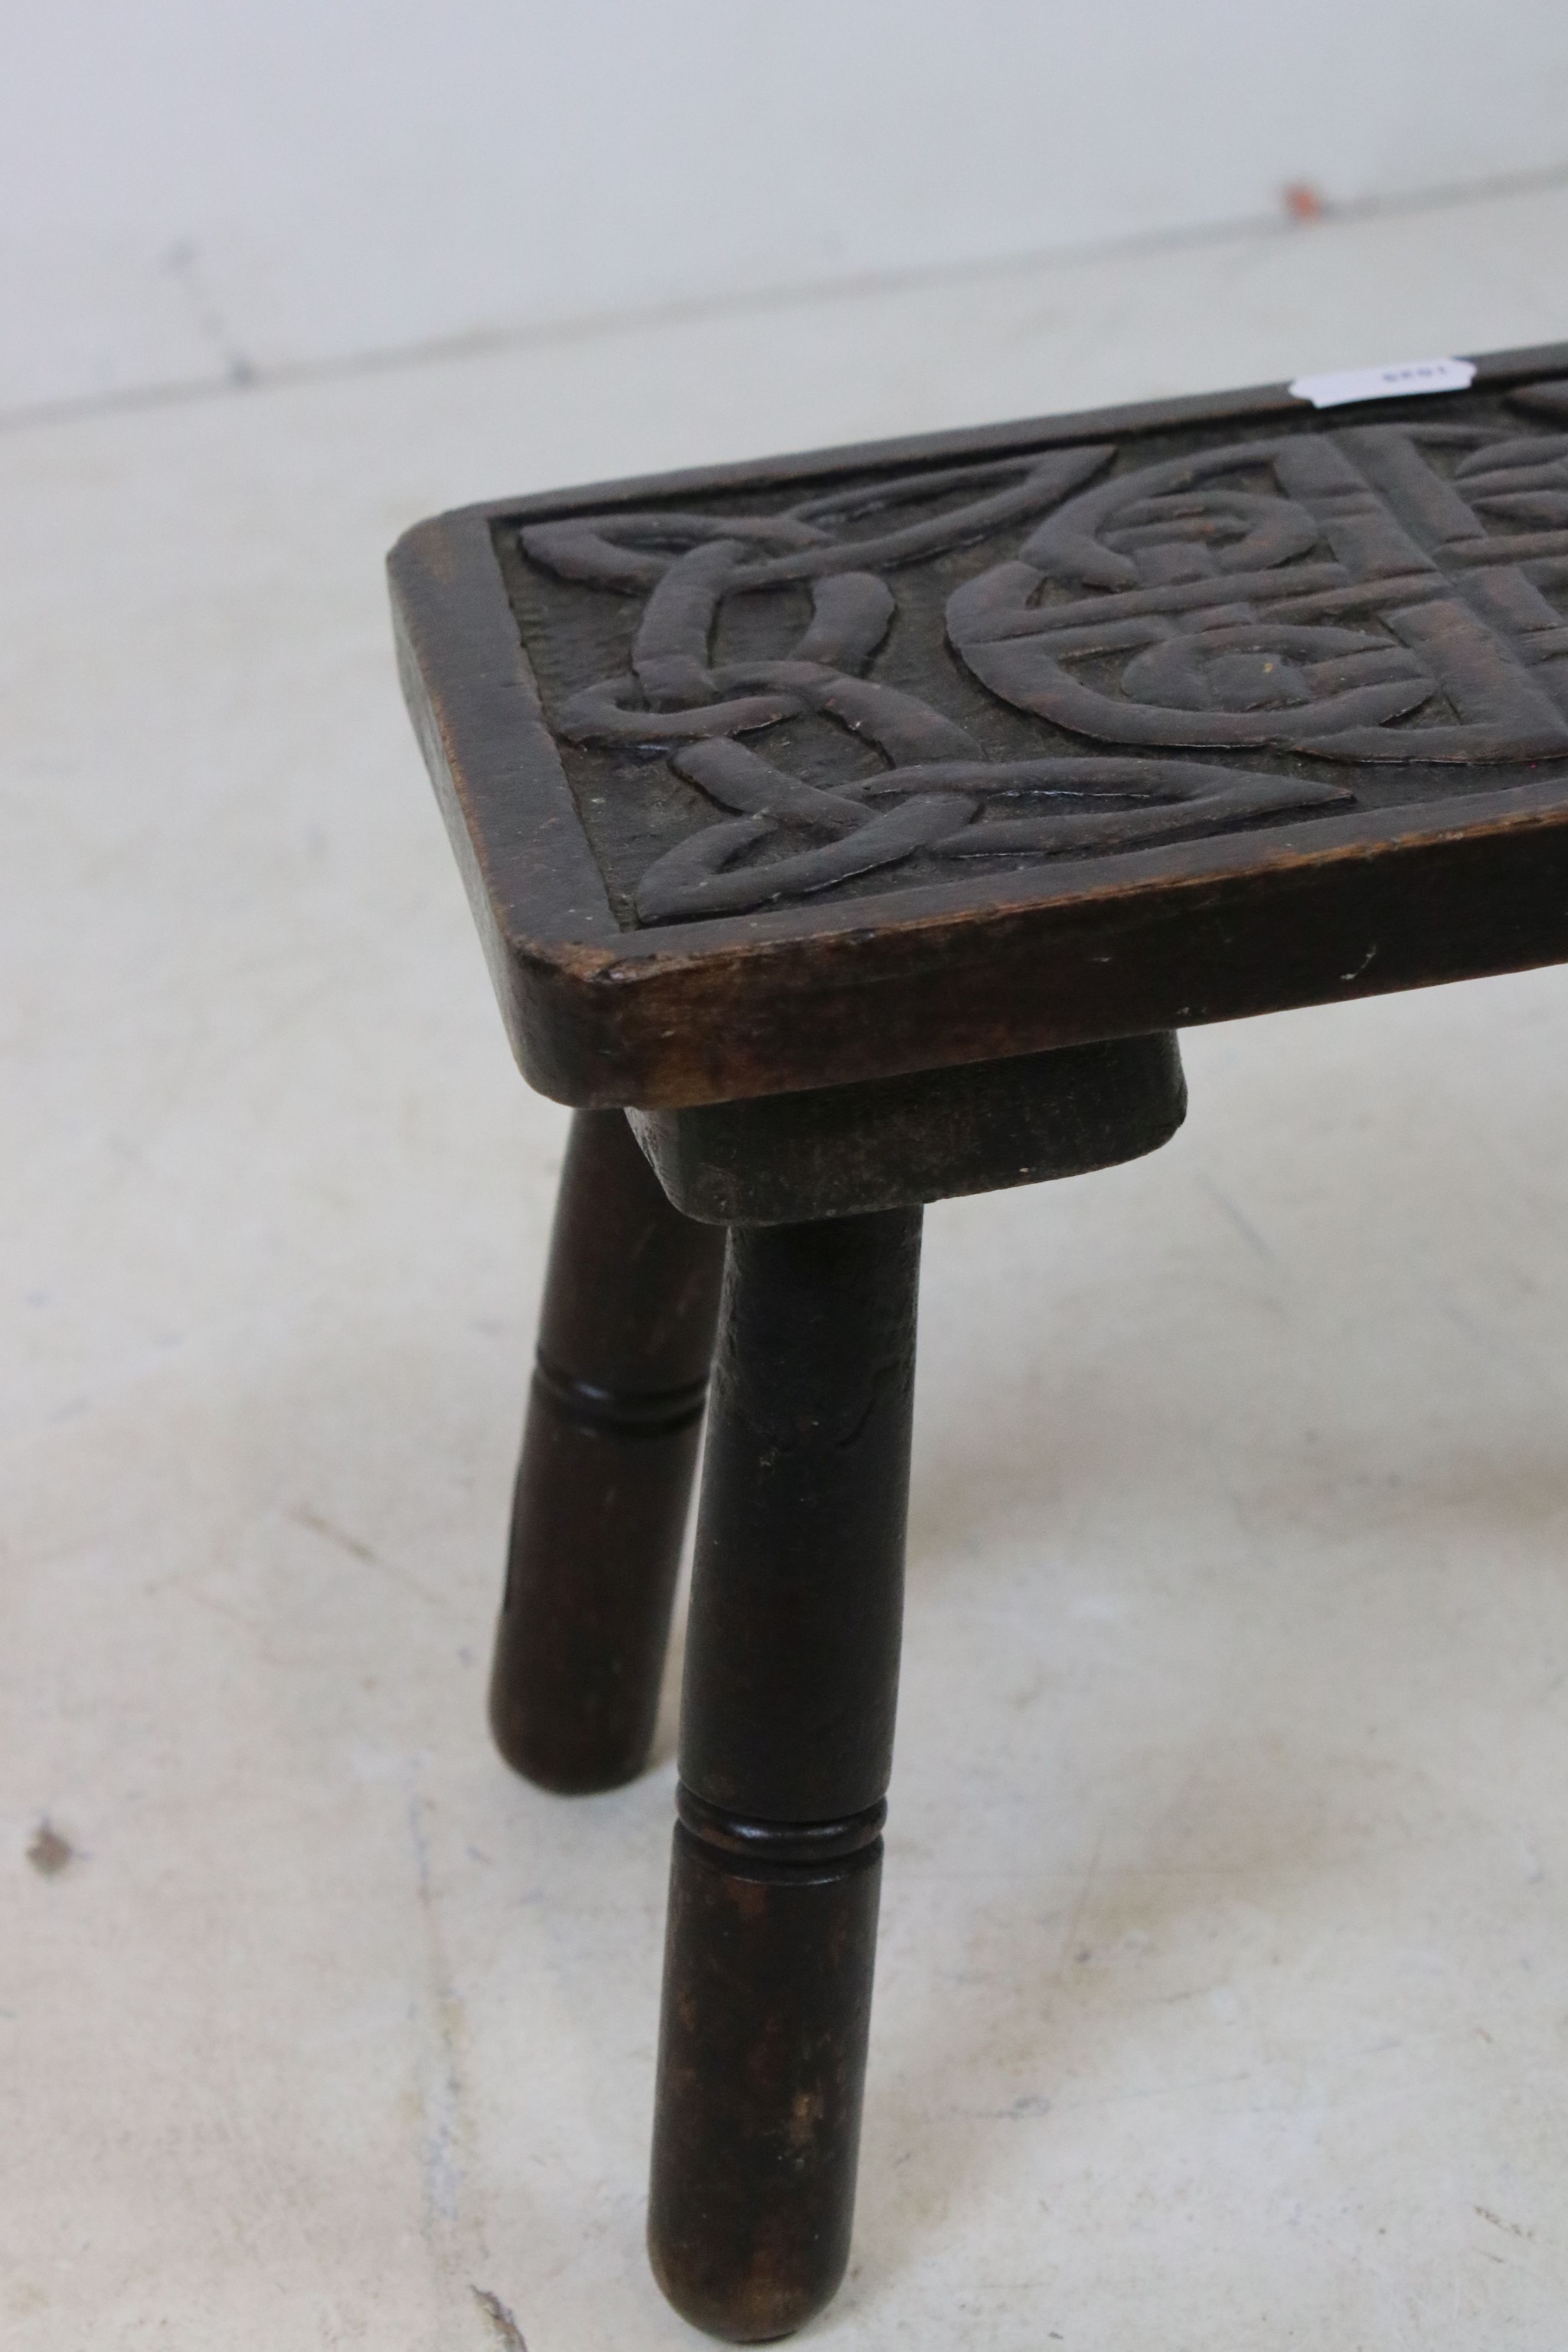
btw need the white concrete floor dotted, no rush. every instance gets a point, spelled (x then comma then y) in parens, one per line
(1224, 1987)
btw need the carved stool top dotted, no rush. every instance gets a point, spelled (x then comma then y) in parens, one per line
(791, 774)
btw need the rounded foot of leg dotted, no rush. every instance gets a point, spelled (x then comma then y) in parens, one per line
(767, 2006)
(595, 1543)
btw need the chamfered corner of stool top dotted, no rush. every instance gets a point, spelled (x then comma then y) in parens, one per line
(833, 767)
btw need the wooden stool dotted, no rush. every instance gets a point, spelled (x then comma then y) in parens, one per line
(850, 831)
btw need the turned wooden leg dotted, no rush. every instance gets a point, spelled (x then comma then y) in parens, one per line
(614, 1418)
(786, 1739)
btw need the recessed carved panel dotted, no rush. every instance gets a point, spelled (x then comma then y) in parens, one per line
(1059, 655)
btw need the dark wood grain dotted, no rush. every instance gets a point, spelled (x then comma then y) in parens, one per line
(896, 1143)
(613, 1417)
(866, 824)
(856, 690)
(761, 2069)
(786, 1739)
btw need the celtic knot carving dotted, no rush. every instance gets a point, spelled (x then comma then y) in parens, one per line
(1376, 593)
(1228, 608)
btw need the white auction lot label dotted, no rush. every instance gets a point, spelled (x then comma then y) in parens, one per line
(1395, 383)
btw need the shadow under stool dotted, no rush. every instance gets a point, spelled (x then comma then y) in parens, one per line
(857, 830)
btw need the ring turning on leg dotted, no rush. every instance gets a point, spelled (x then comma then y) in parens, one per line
(786, 1746)
(614, 1420)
